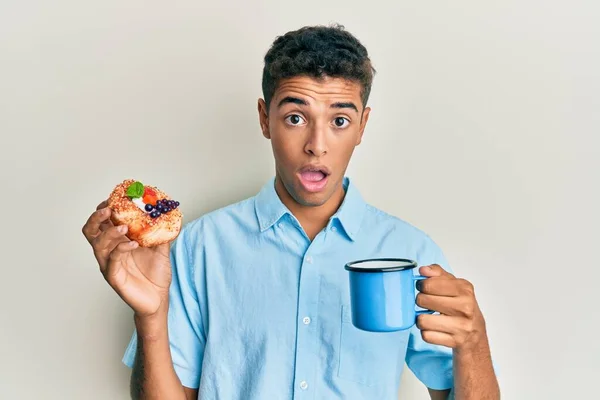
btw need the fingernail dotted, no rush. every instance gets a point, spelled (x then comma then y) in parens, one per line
(133, 244)
(122, 228)
(419, 285)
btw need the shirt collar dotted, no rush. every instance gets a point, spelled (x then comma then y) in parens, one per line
(269, 208)
(351, 212)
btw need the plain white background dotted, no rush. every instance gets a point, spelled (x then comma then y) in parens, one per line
(484, 133)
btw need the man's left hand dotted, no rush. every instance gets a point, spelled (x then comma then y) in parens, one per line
(460, 325)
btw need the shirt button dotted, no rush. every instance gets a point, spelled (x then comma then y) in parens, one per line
(333, 228)
(306, 320)
(280, 225)
(303, 385)
(309, 259)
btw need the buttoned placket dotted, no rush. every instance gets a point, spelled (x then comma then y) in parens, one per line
(307, 351)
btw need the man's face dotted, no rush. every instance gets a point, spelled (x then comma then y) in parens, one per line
(314, 126)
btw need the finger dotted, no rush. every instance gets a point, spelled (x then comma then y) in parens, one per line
(439, 323)
(441, 304)
(439, 338)
(122, 250)
(434, 270)
(104, 204)
(453, 306)
(440, 286)
(104, 243)
(116, 257)
(91, 229)
(106, 225)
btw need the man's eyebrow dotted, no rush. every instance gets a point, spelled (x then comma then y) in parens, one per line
(293, 100)
(296, 100)
(345, 105)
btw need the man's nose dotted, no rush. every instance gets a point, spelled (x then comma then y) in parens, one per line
(317, 141)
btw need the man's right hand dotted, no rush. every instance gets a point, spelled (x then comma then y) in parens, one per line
(140, 276)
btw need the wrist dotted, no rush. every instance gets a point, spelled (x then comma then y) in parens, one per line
(476, 346)
(151, 327)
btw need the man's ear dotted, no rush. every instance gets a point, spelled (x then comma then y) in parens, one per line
(263, 118)
(363, 124)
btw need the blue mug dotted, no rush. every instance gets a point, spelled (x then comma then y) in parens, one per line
(383, 294)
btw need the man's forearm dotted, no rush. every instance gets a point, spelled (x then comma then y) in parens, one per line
(153, 376)
(474, 376)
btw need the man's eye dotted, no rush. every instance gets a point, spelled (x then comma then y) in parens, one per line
(294, 119)
(341, 122)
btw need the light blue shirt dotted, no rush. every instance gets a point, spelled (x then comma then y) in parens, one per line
(258, 311)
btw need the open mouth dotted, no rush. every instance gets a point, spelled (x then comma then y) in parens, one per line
(314, 178)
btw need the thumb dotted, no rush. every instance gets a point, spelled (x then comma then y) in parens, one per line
(433, 270)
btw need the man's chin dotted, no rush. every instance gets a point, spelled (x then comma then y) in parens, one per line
(311, 202)
(309, 199)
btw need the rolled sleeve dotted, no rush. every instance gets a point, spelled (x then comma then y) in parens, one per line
(186, 333)
(431, 364)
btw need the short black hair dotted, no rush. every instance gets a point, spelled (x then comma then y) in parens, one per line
(317, 52)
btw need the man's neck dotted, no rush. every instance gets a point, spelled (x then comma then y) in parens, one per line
(312, 218)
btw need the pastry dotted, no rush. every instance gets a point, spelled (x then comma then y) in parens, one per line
(151, 216)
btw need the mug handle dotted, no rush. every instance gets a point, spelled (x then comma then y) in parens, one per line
(420, 312)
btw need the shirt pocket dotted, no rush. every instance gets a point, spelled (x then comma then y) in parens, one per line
(370, 358)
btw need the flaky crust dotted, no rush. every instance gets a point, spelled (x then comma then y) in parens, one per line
(142, 228)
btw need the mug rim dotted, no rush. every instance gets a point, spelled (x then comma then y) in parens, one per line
(352, 266)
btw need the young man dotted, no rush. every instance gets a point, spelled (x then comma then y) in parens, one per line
(252, 301)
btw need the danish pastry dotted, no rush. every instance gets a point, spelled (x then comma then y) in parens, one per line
(152, 217)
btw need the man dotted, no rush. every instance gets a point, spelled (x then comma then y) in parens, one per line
(252, 301)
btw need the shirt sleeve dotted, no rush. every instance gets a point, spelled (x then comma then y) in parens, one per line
(185, 329)
(431, 364)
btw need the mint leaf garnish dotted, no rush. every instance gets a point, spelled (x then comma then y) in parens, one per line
(135, 190)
